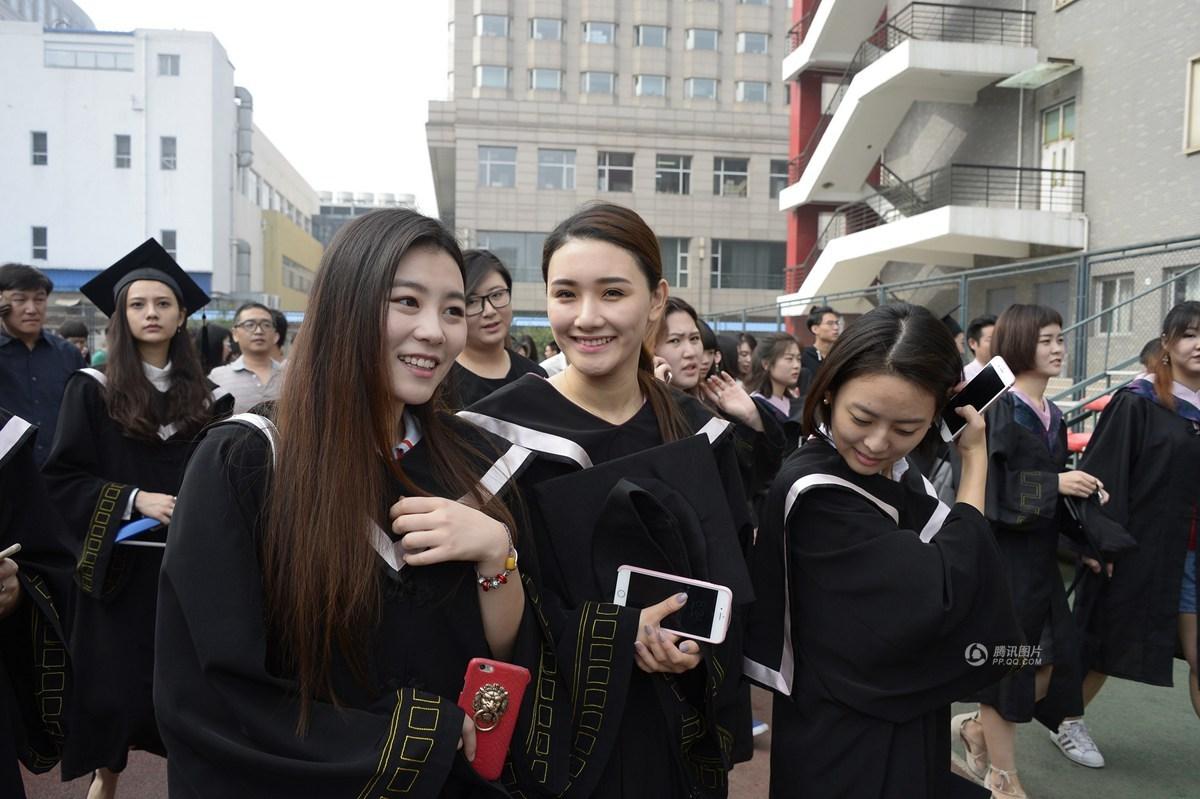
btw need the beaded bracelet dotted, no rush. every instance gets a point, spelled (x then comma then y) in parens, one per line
(510, 564)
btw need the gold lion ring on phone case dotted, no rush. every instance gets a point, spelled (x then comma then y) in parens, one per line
(490, 703)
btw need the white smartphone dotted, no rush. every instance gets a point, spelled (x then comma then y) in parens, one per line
(10, 551)
(984, 389)
(706, 615)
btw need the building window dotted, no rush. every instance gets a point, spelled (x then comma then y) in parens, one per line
(545, 79)
(491, 25)
(166, 146)
(731, 176)
(751, 91)
(650, 85)
(1184, 288)
(491, 77)
(87, 59)
(1111, 292)
(675, 260)
(615, 171)
(779, 176)
(556, 169)
(599, 32)
(123, 151)
(1191, 125)
(297, 277)
(545, 29)
(701, 39)
(752, 42)
(39, 244)
(759, 3)
(700, 88)
(747, 264)
(1058, 123)
(498, 167)
(168, 65)
(167, 239)
(673, 174)
(598, 83)
(40, 149)
(651, 35)
(520, 252)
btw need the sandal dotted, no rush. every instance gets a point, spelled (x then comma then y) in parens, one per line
(975, 762)
(1003, 787)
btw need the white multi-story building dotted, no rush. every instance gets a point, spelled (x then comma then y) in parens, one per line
(111, 138)
(672, 108)
(338, 208)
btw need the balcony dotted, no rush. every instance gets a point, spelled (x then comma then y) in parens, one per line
(829, 36)
(928, 52)
(943, 219)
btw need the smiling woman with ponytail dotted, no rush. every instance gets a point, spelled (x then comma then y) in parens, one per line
(619, 459)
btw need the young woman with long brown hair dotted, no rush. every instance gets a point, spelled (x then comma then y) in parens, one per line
(324, 587)
(624, 470)
(122, 442)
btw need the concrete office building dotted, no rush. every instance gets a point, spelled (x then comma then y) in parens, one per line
(115, 137)
(672, 108)
(338, 208)
(933, 138)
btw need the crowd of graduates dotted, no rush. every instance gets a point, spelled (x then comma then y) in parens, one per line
(273, 568)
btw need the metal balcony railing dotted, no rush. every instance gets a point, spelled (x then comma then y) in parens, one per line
(925, 21)
(956, 184)
(797, 32)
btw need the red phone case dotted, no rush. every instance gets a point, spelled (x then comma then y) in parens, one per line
(491, 695)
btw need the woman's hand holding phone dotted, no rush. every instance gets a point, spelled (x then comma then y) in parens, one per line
(438, 530)
(467, 742)
(973, 439)
(656, 649)
(972, 446)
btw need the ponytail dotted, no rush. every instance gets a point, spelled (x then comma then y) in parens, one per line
(1164, 379)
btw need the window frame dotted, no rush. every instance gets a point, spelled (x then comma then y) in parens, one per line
(480, 72)
(587, 31)
(172, 247)
(1122, 321)
(739, 94)
(638, 39)
(482, 34)
(533, 82)
(168, 163)
(1191, 112)
(689, 89)
(486, 165)
(118, 156)
(169, 65)
(638, 87)
(682, 170)
(741, 43)
(585, 79)
(39, 156)
(773, 177)
(690, 40)
(606, 170)
(44, 246)
(721, 173)
(533, 25)
(565, 169)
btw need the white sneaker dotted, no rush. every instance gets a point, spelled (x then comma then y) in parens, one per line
(1075, 742)
(758, 728)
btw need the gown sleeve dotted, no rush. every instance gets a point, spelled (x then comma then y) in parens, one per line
(1017, 497)
(887, 621)
(1112, 454)
(91, 505)
(228, 719)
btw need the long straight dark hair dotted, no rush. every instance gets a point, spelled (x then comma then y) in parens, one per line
(130, 396)
(1183, 316)
(337, 426)
(622, 227)
(768, 351)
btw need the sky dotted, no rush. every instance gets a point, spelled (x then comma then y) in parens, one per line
(341, 88)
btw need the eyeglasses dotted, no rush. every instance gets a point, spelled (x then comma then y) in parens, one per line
(251, 325)
(500, 298)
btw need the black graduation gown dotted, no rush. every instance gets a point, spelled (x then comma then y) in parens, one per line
(1025, 511)
(34, 669)
(1148, 458)
(92, 470)
(875, 602)
(759, 455)
(465, 388)
(601, 495)
(228, 709)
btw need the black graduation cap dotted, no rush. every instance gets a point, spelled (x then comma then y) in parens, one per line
(952, 324)
(149, 261)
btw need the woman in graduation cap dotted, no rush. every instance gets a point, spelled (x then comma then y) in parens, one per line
(878, 605)
(1139, 612)
(625, 471)
(487, 363)
(123, 439)
(323, 588)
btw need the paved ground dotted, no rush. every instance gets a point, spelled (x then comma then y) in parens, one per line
(1149, 736)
